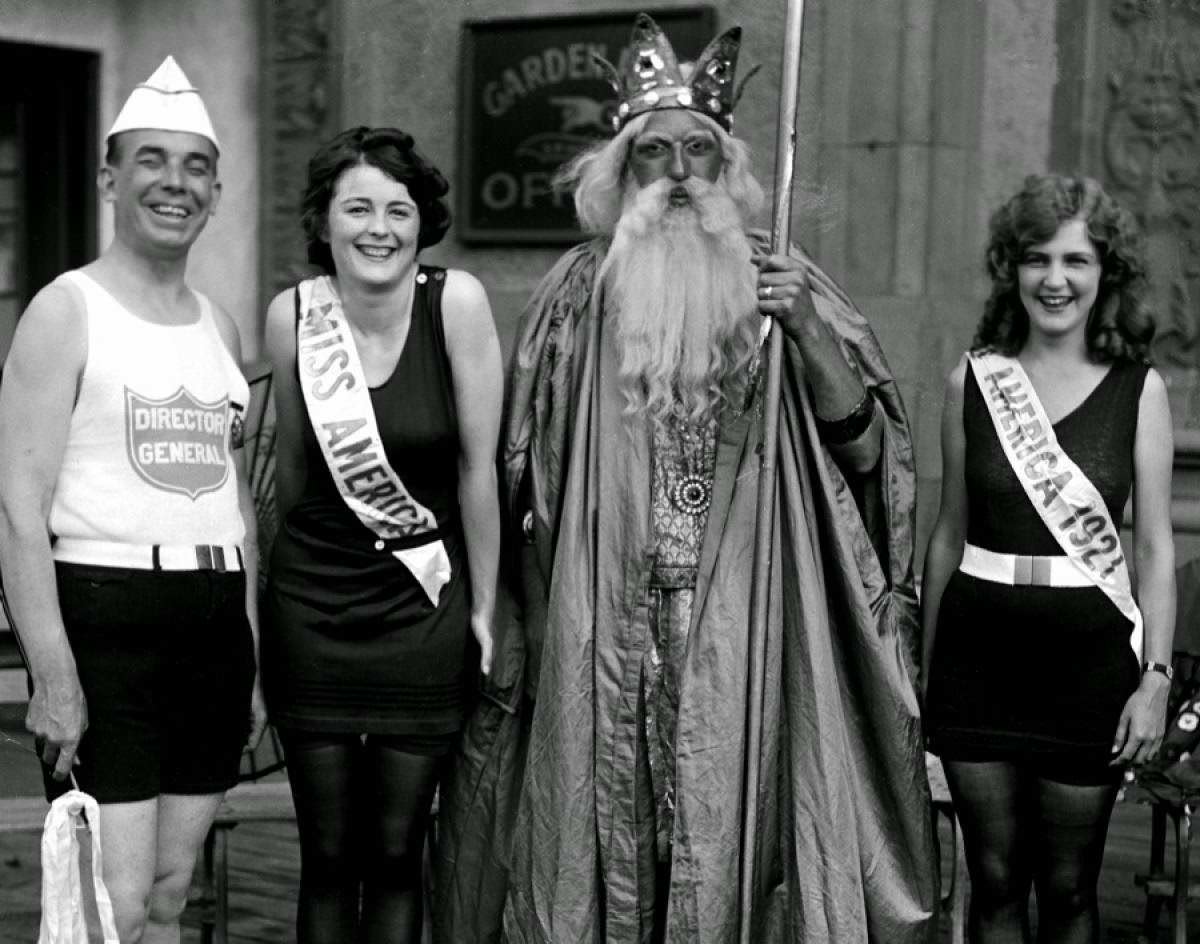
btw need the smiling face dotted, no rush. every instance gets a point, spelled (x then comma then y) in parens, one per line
(163, 187)
(1058, 280)
(675, 144)
(372, 226)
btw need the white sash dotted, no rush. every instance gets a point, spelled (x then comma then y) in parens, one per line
(1065, 499)
(343, 420)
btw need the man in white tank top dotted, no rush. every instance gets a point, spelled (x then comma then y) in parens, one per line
(126, 524)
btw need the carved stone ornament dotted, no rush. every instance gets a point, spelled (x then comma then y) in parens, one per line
(299, 110)
(1151, 154)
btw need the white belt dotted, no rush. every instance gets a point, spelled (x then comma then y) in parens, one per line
(218, 557)
(1022, 570)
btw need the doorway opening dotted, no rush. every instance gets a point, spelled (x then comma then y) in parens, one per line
(49, 102)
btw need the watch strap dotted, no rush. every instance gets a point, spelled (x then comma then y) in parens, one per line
(1160, 667)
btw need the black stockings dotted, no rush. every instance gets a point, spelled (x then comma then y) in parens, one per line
(362, 809)
(1021, 831)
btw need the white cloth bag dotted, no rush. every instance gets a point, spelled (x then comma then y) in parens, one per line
(63, 918)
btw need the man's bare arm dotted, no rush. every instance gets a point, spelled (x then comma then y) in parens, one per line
(839, 397)
(37, 397)
(249, 513)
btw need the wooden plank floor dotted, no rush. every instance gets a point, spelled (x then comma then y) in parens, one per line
(265, 868)
(264, 874)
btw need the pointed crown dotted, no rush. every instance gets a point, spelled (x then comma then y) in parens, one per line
(166, 101)
(655, 80)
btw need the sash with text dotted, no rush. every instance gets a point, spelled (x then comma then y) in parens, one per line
(343, 419)
(1065, 499)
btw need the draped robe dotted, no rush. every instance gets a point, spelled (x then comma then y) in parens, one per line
(845, 849)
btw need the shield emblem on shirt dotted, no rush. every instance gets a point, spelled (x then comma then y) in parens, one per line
(178, 444)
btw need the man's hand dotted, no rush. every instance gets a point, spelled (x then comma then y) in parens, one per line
(57, 718)
(838, 391)
(783, 294)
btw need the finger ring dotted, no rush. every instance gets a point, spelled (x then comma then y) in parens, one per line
(767, 291)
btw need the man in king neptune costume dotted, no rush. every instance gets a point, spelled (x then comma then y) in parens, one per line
(632, 464)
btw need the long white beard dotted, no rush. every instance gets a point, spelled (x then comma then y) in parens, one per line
(683, 287)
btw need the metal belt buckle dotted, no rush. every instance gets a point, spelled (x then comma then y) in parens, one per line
(1031, 571)
(210, 557)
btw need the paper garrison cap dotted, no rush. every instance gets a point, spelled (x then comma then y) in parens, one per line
(654, 79)
(166, 101)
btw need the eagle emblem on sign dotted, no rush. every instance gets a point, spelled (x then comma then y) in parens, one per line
(177, 444)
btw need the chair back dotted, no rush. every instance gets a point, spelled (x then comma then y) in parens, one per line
(267, 758)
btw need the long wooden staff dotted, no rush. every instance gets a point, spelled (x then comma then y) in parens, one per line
(760, 591)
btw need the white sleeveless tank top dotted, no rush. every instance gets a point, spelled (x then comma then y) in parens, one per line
(148, 458)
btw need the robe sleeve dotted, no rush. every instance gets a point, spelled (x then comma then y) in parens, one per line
(480, 793)
(864, 673)
(879, 508)
(542, 380)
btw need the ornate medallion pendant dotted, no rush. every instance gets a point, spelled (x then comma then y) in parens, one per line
(691, 494)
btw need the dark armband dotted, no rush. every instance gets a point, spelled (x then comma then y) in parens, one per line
(850, 426)
(237, 428)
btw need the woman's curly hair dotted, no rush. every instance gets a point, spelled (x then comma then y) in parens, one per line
(1120, 325)
(393, 152)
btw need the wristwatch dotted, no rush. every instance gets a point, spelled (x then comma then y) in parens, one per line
(1159, 667)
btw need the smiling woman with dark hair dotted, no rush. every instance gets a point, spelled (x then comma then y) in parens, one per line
(388, 389)
(1046, 676)
(1120, 326)
(392, 152)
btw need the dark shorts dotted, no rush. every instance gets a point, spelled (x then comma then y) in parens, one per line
(166, 661)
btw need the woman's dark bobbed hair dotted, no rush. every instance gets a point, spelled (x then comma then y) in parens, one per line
(1120, 325)
(393, 152)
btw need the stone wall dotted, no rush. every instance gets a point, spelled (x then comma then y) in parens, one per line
(1125, 112)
